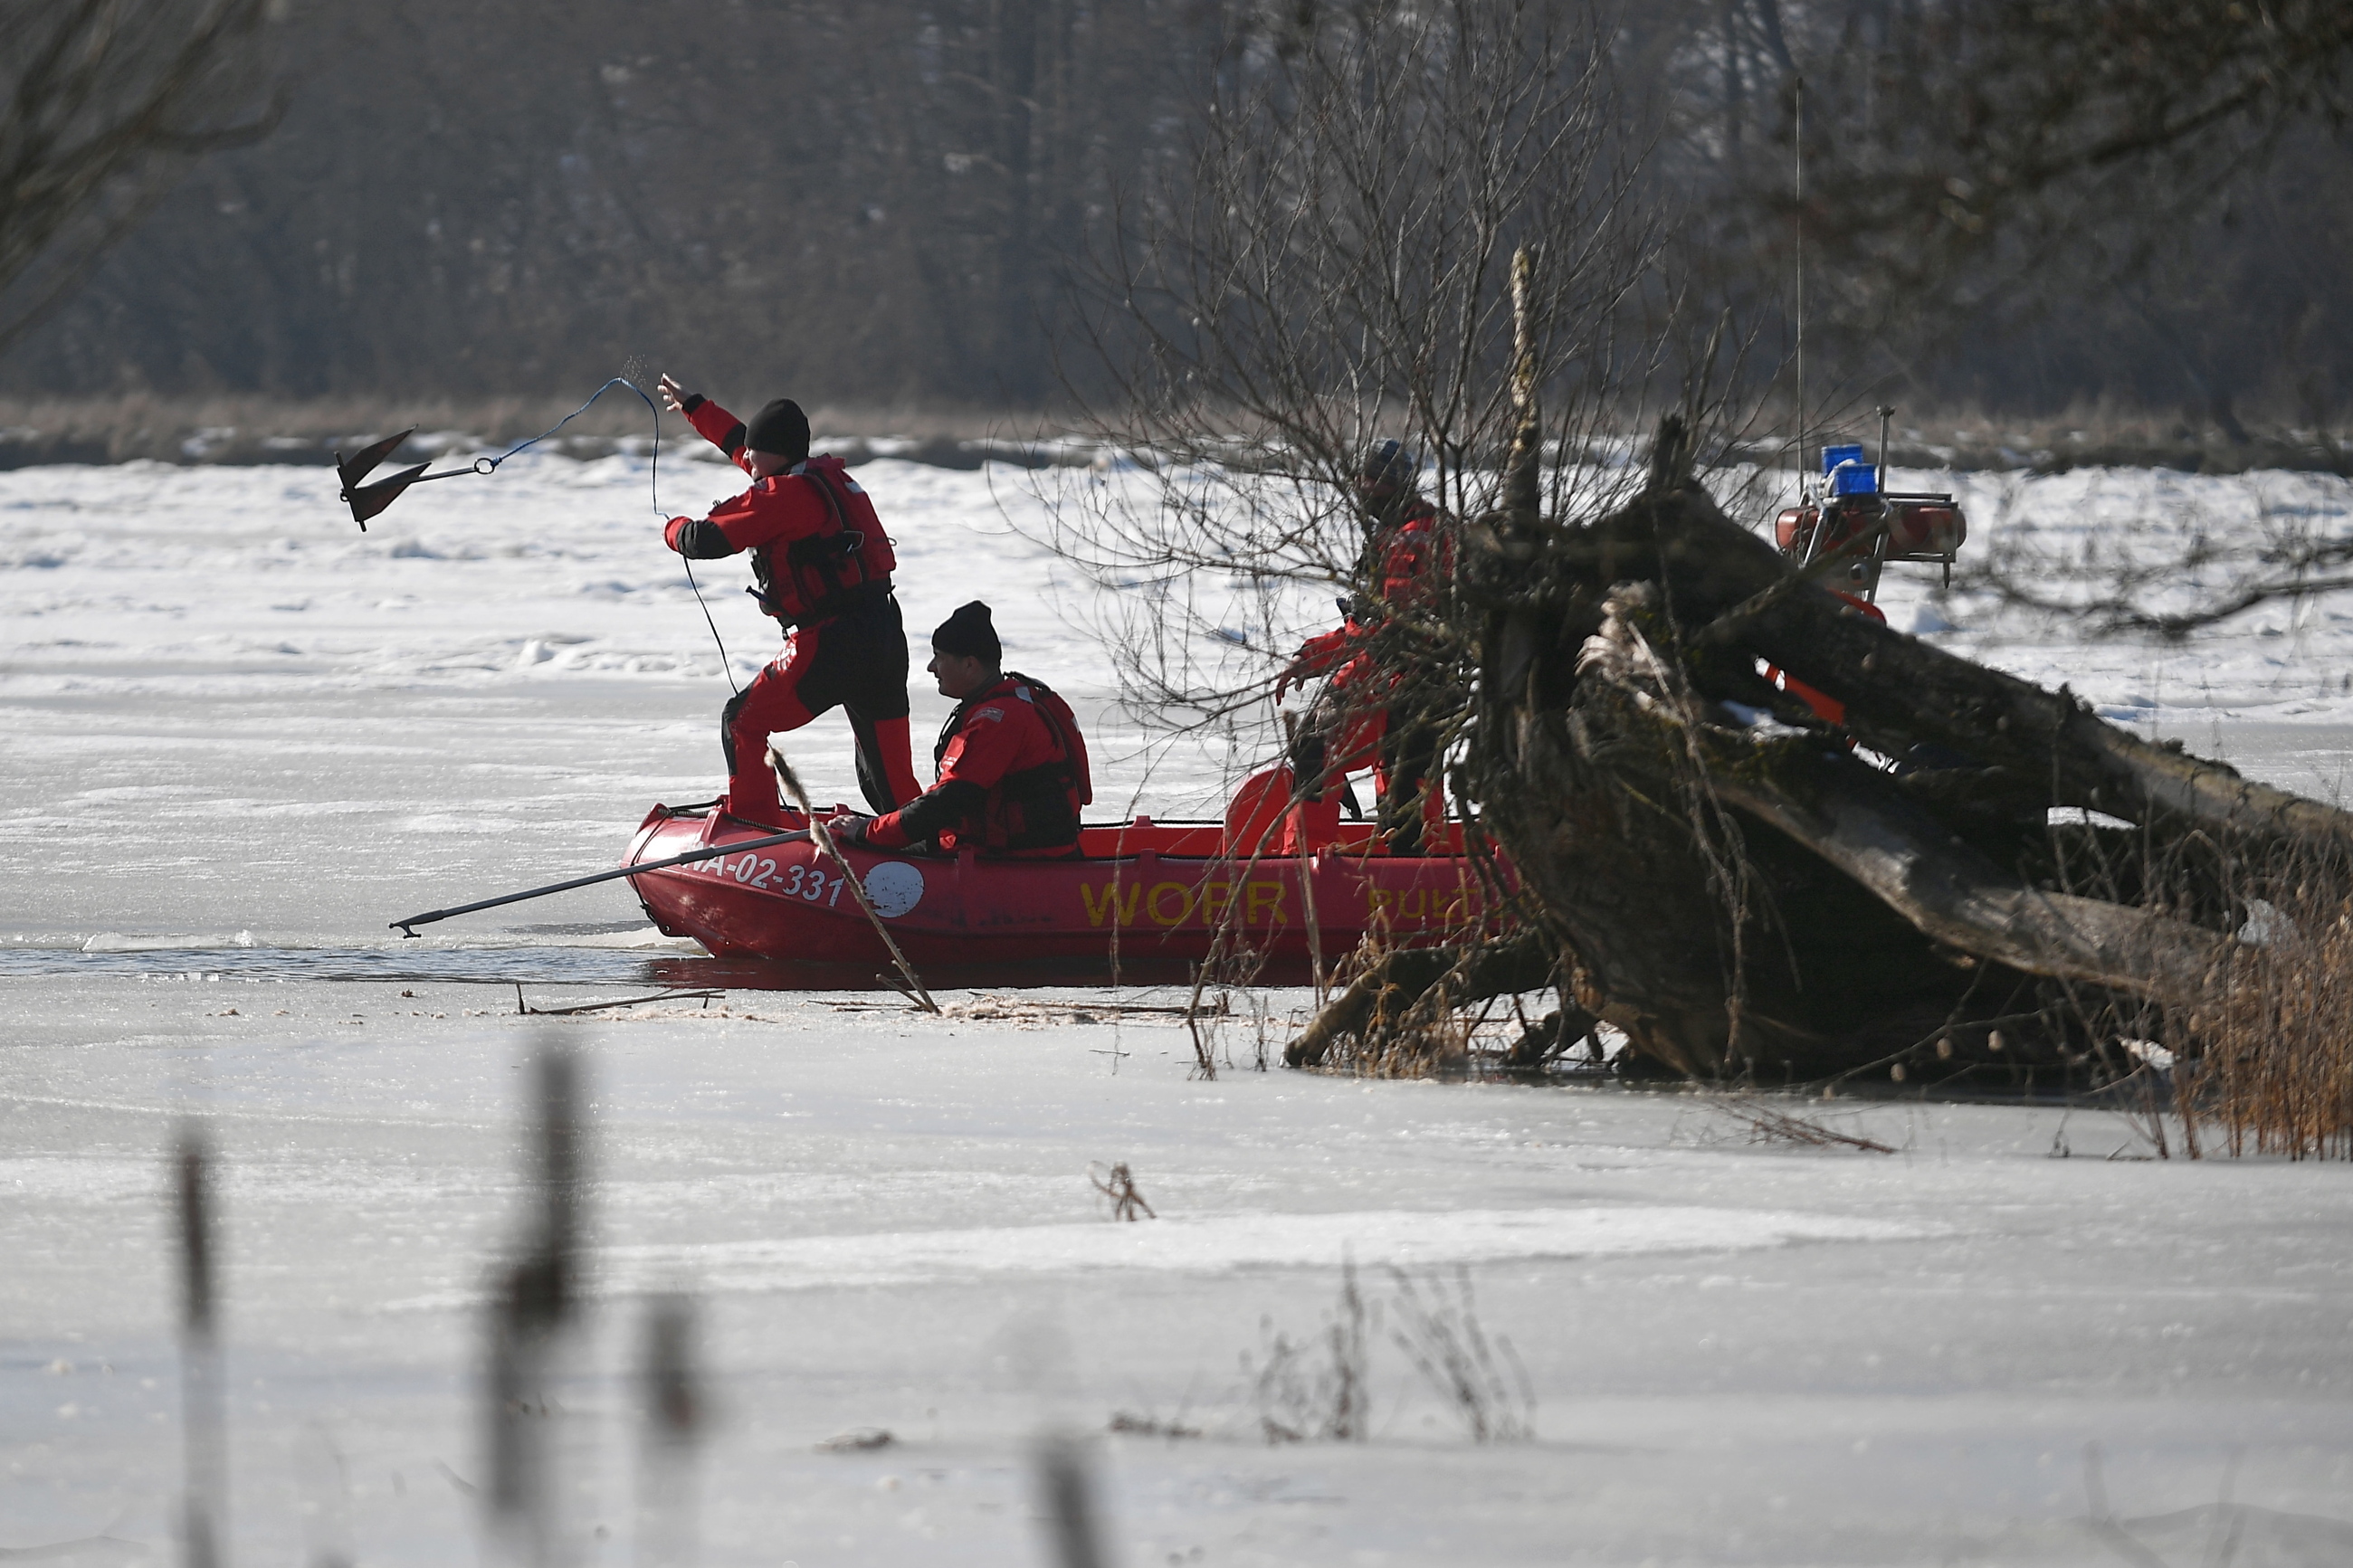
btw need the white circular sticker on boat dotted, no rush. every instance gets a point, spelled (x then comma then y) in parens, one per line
(893, 887)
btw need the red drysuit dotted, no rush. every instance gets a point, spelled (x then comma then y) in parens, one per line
(823, 565)
(1013, 773)
(1350, 726)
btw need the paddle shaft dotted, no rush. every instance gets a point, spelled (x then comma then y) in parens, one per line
(791, 781)
(708, 852)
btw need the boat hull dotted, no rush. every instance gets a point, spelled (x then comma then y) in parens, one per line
(1149, 899)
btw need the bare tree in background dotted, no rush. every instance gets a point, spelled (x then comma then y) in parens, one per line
(864, 203)
(580, 181)
(108, 102)
(1329, 267)
(1980, 163)
(1952, 128)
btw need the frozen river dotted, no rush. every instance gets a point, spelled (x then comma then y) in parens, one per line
(239, 739)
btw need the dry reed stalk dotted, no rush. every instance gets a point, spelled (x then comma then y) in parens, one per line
(1319, 1389)
(1440, 1334)
(1767, 1125)
(2272, 1069)
(823, 834)
(1118, 1185)
(1066, 1496)
(203, 1388)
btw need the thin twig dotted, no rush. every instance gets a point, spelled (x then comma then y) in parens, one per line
(1767, 1125)
(823, 837)
(524, 1008)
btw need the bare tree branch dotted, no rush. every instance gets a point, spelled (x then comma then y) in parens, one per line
(108, 101)
(1331, 266)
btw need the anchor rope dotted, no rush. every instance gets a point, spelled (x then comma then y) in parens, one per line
(653, 479)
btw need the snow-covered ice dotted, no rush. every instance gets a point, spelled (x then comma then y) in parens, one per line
(240, 737)
(2058, 534)
(1738, 1354)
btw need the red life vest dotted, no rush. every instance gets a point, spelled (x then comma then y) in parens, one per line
(1416, 557)
(1033, 809)
(1065, 726)
(848, 562)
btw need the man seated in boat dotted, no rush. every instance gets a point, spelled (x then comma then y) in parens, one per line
(1364, 717)
(1012, 764)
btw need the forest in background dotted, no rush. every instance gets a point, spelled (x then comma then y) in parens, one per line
(883, 204)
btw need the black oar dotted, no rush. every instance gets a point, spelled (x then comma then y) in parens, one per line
(798, 836)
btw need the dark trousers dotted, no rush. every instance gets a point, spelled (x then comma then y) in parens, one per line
(857, 662)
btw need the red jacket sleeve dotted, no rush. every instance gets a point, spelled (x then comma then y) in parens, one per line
(785, 507)
(719, 427)
(1326, 649)
(992, 741)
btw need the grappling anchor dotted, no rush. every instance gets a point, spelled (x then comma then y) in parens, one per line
(367, 499)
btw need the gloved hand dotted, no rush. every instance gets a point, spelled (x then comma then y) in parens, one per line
(672, 529)
(848, 828)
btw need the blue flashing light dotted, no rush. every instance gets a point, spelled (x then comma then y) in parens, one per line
(1855, 478)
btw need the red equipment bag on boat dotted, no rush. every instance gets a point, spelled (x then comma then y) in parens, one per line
(1926, 530)
(1256, 813)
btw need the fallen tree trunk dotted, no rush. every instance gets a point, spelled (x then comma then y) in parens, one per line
(1840, 809)
(1734, 593)
(1746, 890)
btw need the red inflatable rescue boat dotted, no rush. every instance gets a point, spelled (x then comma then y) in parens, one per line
(1145, 900)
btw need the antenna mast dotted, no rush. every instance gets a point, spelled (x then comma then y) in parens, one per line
(1798, 149)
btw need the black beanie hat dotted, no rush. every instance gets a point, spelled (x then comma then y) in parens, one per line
(1388, 468)
(969, 633)
(780, 429)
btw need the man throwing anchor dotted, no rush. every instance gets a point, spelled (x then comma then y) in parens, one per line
(822, 565)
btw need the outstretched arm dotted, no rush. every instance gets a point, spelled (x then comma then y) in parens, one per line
(771, 510)
(978, 757)
(714, 423)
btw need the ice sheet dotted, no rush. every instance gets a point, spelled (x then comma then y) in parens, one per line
(1377, 1238)
(1736, 1352)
